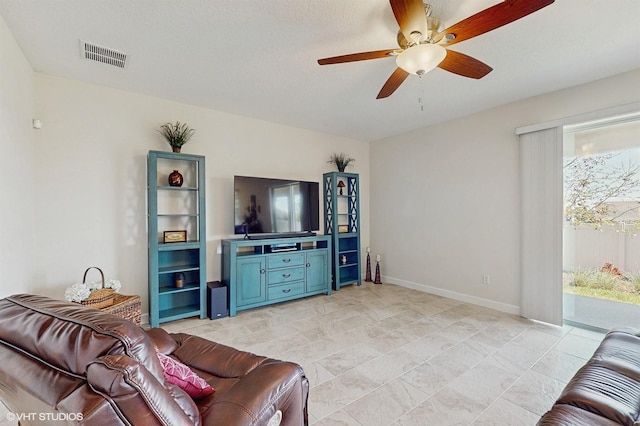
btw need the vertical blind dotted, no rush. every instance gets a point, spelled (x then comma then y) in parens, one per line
(541, 225)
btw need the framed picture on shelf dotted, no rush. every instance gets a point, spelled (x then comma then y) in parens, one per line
(175, 236)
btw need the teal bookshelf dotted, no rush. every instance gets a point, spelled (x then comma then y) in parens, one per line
(177, 270)
(342, 222)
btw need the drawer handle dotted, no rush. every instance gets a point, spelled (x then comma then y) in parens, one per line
(286, 275)
(286, 260)
(286, 291)
(262, 271)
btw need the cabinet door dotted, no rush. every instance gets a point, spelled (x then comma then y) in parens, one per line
(317, 270)
(251, 284)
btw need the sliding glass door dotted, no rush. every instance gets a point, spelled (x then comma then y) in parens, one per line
(601, 228)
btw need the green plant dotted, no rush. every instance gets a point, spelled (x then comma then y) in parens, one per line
(605, 281)
(582, 278)
(176, 134)
(634, 279)
(592, 278)
(341, 161)
(603, 284)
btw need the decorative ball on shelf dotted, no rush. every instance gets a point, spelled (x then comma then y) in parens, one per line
(175, 178)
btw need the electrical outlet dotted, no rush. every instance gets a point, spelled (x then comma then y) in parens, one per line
(486, 279)
(219, 249)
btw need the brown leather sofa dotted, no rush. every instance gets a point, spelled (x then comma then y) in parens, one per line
(606, 390)
(65, 363)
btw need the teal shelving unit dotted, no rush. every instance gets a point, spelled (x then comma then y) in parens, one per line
(173, 208)
(342, 222)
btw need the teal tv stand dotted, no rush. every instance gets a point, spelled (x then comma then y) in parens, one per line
(260, 272)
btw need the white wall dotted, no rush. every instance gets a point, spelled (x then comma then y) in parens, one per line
(445, 198)
(16, 165)
(90, 175)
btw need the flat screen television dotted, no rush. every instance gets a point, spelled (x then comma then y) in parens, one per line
(264, 206)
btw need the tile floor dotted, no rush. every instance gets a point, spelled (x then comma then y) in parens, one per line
(388, 355)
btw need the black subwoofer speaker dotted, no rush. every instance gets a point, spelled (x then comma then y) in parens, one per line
(217, 300)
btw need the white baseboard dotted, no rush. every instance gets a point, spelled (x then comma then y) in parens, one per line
(144, 320)
(491, 304)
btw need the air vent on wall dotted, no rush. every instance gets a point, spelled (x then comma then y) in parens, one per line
(93, 52)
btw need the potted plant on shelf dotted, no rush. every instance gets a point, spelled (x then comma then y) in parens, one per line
(176, 134)
(341, 161)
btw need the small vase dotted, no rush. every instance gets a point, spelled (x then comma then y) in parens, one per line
(175, 148)
(179, 280)
(175, 178)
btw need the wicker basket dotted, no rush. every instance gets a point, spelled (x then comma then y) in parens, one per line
(100, 298)
(127, 307)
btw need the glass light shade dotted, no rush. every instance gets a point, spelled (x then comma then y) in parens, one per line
(421, 58)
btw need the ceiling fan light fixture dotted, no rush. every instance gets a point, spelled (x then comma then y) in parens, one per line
(421, 58)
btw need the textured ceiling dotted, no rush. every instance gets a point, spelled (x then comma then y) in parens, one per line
(258, 58)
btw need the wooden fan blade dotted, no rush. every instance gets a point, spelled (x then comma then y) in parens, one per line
(353, 57)
(393, 82)
(492, 18)
(466, 66)
(411, 17)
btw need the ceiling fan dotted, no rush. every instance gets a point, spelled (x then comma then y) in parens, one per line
(423, 42)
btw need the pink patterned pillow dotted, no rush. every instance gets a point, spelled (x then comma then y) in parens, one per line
(183, 377)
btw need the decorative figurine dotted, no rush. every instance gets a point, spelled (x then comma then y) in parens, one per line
(368, 275)
(377, 280)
